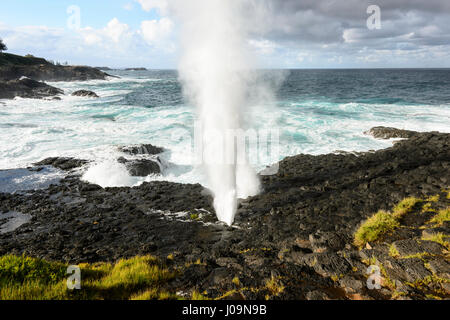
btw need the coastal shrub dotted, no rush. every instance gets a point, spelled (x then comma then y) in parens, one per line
(2, 46)
(376, 226)
(25, 278)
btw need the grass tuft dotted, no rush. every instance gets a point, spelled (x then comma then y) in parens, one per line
(439, 238)
(198, 296)
(274, 286)
(405, 206)
(393, 252)
(375, 227)
(441, 217)
(384, 222)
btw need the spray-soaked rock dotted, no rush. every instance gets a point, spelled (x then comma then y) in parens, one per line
(293, 241)
(141, 167)
(63, 163)
(389, 133)
(142, 149)
(85, 93)
(27, 88)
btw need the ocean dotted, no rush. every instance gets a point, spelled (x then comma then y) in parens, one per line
(316, 112)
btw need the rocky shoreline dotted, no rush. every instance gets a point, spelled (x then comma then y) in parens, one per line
(23, 77)
(298, 234)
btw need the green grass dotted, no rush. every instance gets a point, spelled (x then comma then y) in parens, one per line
(383, 222)
(197, 296)
(194, 216)
(439, 238)
(375, 227)
(24, 278)
(441, 217)
(393, 252)
(405, 206)
(274, 286)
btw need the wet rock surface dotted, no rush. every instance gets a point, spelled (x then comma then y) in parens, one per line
(141, 167)
(142, 149)
(293, 241)
(63, 163)
(22, 76)
(85, 93)
(27, 88)
(390, 133)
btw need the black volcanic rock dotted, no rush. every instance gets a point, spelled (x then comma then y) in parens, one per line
(62, 163)
(389, 133)
(103, 68)
(142, 149)
(85, 93)
(14, 67)
(27, 88)
(298, 233)
(50, 72)
(141, 167)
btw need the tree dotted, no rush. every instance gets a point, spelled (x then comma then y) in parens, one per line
(2, 46)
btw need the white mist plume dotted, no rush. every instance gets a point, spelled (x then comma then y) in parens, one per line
(215, 69)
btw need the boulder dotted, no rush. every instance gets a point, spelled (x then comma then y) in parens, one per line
(389, 133)
(141, 167)
(62, 163)
(27, 88)
(85, 93)
(142, 149)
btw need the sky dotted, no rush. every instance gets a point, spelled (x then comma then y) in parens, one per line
(281, 33)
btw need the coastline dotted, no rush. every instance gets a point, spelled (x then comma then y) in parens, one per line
(299, 231)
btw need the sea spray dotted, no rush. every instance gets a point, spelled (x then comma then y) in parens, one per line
(215, 70)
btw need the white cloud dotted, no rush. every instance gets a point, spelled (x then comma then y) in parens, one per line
(128, 6)
(113, 34)
(115, 45)
(90, 36)
(115, 30)
(302, 56)
(264, 46)
(156, 31)
(28, 35)
(148, 5)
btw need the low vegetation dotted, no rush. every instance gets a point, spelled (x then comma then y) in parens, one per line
(375, 227)
(24, 278)
(442, 217)
(383, 222)
(439, 238)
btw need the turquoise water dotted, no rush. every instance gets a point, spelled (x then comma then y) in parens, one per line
(316, 111)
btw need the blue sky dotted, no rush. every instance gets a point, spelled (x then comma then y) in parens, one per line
(286, 33)
(52, 13)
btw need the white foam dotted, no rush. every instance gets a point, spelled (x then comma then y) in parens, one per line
(91, 129)
(109, 174)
